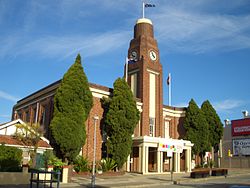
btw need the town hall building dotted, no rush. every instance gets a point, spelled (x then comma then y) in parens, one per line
(158, 146)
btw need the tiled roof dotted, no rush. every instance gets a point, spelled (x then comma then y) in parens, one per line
(11, 140)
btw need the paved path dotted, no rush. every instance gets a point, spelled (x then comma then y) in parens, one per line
(130, 180)
(138, 180)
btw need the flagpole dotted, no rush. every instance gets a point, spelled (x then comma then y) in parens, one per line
(169, 89)
(143, 6)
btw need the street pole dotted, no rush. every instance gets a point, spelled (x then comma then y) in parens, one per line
(93, 167)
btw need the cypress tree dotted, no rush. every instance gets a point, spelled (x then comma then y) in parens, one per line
(214, 123)
(196, 129)
(72, 103)
(121, 120)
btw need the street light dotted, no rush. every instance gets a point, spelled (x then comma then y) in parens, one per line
(93, 167)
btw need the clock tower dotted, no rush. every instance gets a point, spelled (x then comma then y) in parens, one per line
(145, 78)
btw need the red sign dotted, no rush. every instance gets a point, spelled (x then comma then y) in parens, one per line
(241, 127)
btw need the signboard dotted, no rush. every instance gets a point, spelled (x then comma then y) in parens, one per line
(241, 146)
(241, 127)
(171, 147)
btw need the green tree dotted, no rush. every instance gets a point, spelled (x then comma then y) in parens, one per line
(214, 124)
(196, 129)
(30, 135)
(121, 120)
(72, 104)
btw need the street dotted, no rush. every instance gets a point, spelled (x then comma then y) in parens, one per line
(242, 181)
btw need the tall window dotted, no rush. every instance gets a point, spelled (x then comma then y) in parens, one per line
(134, 84)
(166, 132)
(27, 116)
(34, 115)
(43, 115)
(152, 127)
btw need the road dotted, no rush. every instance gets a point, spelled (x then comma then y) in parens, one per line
(242, 181)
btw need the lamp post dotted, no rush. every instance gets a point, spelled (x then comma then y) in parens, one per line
(93, 167)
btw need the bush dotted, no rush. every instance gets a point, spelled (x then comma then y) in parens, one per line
(81, 164)
(48, 157)
(10, 159)
(108, 164)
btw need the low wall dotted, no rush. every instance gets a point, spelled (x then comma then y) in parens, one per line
(236, 162)
(24, 177)
(14, 178)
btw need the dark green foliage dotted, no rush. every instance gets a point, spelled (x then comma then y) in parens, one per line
(47, 156)
(72, 104)
(214, 123)
(121, 120)
(196, 129)
(81, 164)
(10, 159)
(108, 164)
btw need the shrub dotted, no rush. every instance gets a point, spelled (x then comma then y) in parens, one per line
(211, 163)
(81, 164)
(108, 164)
(10, 159)
(48, 157)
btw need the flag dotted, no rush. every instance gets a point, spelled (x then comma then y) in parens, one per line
(169, 79)
(149, 5)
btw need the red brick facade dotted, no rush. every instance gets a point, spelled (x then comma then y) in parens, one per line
(38, 107)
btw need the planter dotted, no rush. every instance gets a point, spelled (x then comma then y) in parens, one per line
(219, 172)
(200, 174)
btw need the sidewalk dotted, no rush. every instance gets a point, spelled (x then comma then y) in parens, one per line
(138, 180)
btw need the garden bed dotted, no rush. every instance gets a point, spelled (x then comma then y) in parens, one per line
(98, 174)
(219, 172)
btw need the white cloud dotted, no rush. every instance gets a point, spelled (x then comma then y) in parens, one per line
(181, 104)
(5, 116)
(192, 30)
(227, 105)
(65, 46)
(8, 96)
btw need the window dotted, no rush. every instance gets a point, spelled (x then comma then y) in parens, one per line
(34, 115)
(152, 127)
(166, 132)
(43, 114)
(27, 116)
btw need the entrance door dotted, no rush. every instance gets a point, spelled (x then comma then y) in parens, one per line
(134, 160)
(152, 159)
(166, 162)
(182, 162)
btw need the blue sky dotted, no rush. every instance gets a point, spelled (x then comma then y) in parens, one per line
(204, 44)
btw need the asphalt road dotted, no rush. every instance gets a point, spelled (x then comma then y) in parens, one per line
(238, 181)
(242, 181)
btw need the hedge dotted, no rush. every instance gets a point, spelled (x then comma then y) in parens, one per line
(10, 159)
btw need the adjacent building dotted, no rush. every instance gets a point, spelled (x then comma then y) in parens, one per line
(157, 141)
(236, 143)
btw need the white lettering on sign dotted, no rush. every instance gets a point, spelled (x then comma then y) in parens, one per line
(241, 147)
(242, 129)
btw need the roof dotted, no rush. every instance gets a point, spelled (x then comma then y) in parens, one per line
(10, 123)
(11, 140)
(175, 108)
(51, 89)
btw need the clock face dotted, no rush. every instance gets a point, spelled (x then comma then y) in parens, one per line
(134, 55)
(152, 55)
